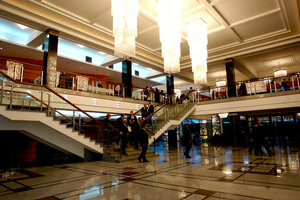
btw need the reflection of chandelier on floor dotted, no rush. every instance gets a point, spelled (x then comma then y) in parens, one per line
(169, 22)
(125, 15)
(197, 40)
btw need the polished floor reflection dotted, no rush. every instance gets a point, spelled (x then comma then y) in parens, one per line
(211, 173)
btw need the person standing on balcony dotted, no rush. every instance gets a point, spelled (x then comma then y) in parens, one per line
(117, 90)
(191, 97)
(144, 142)
(157, 95)
(187, 139)
(243, 89)
(146, 93)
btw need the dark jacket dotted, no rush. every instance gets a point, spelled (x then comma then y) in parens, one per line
(187, 136)
(144, 111)
(150, 110)
(133, 123)
(143, 137)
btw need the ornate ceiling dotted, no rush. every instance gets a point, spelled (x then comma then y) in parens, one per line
(257, 34)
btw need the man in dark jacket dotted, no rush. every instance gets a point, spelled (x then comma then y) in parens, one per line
(133, 123)
(150, 110)
(144, 111)
(120, 122)
(123, 131)
(107, 135)
(187, 139)
(144, 142)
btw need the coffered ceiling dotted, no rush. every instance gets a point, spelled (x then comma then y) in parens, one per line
(257, 34)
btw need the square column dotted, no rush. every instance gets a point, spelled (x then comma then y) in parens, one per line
(230, 76)
(50, 59)
(127, 77)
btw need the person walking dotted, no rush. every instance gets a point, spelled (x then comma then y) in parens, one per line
(144, 111)
(124, 131)
(187, 139)
(133, 123)
(144, 142)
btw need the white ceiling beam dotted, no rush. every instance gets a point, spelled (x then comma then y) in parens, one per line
(255, 17)
(213, 12)
(37, 39)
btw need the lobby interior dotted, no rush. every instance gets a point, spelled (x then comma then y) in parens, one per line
(53, 142)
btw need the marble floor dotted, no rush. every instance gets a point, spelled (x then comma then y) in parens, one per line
(211, 173)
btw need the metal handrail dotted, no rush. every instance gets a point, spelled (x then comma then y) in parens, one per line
(51, 90)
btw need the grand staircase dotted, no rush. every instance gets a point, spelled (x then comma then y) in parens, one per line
(31, 109)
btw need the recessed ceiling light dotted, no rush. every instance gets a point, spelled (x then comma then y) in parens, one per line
(1, 48)
(80, 45)
(102, 53)
(22, 26)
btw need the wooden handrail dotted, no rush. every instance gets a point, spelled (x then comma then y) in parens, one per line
(180, 100)
(18, 61)
(51, 90)
(149, 131)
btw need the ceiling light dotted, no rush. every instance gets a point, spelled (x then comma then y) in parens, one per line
(1, 48)
(124, 26)
(220, 83)
(80, 45)
(223, 115)
(102, 53)
(169, 22)
(280, 73)
(197, 40)
(22, 26)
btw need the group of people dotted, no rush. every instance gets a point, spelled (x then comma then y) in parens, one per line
(130, 129)
(153, 94)
(146, 111)
(259, 140)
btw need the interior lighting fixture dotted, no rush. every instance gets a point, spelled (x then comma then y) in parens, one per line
(197, 40)
(22, 26)
(220, 83)
(125, 15)
(223, 115)
(80, 45)
(169, 22)
(280, 72)
(102, 53)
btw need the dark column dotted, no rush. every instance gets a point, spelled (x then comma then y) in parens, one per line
(172, 137)
(237, 138)
(170, 84)
(127, 77)
(50, 59)
(230, 76)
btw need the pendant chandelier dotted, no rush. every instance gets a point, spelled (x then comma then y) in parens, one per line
(280, 72)
(125, 15)
(197, 40)
(169, 22)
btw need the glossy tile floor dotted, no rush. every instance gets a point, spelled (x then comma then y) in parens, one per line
(211, 173)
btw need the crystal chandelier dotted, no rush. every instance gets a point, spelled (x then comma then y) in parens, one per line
(169, 22)
(197, 40)
(125, 15)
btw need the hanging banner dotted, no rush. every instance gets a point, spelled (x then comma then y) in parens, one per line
(82, 83)
(256, 87)
(14, 70)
